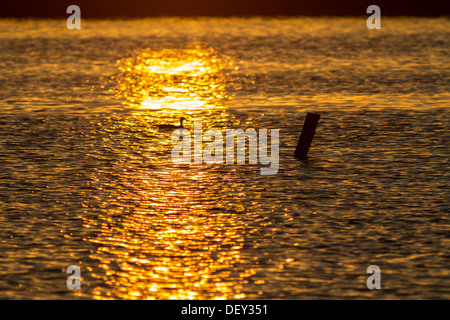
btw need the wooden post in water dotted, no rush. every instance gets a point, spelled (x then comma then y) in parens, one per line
(307, 135)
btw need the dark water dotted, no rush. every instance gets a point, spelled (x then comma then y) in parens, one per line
(86, 177)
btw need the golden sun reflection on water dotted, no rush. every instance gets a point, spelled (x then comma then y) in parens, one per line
(176, 245)
(175, 79)
(166, 231)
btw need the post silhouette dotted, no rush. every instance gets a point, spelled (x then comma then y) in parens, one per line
(307, 135)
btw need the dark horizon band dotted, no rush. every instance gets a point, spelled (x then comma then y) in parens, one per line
(182, 8)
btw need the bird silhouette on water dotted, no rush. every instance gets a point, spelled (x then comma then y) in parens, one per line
(171, 126)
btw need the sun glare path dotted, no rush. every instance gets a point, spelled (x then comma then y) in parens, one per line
(180, 242)
(172, 79)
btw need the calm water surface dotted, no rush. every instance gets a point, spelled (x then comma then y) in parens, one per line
(86, 176)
